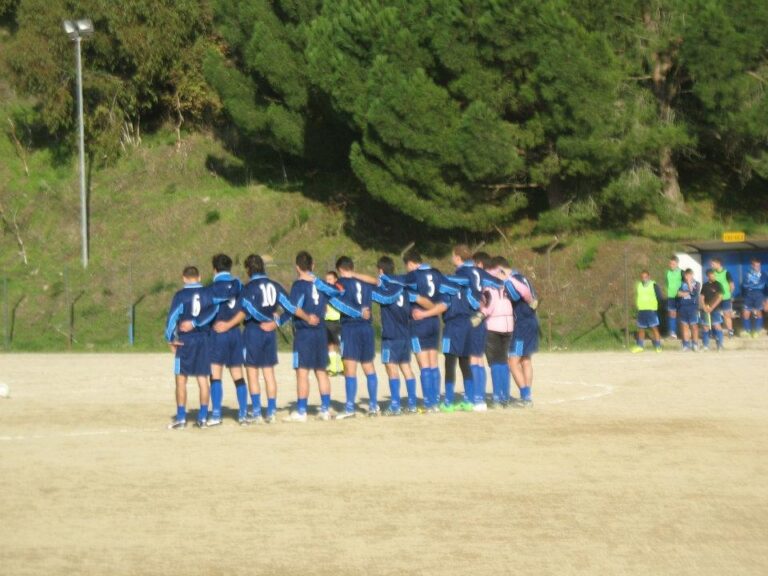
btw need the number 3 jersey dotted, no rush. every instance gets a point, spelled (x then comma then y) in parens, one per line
(194, 302)
(226, 290)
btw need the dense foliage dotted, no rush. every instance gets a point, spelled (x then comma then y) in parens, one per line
(458, 113)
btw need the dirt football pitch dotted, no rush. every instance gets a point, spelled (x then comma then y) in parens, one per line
(627, 464)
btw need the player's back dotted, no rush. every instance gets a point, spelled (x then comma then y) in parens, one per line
(226, 290)
(193, 303)
(455, 297)
(261, 298)
(356, 295)
(396, 318)
(425, 281)
(522, 309)
(306, 295)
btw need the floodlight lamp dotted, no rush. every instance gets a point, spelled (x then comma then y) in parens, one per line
(84, 27)
(70, 28)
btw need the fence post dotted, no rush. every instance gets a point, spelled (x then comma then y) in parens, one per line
(131, 307)
(626, 302)
(6, 327)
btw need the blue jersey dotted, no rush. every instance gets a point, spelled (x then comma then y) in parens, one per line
(474, 279)
(260, 299)
(226, 289)
(425, 281)
(395, 311)
(355, 296)
(455, 297)
(194, 302)
(312, 297)
(521, 309)
(754, 281)
(690, 298)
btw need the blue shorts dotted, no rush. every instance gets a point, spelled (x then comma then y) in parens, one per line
(716, 317)
(259, 347)
(726, 305)
(477, 338)
(310, 348)
(673, 305)
(193, 358)
(227, 348)
(396, 351)
(456, 335)
(525, 339)
(754, 301)
(425, 334)
(647, 319)
(689, 316)
(357, 341)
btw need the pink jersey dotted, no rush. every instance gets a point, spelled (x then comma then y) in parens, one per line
(497, 309)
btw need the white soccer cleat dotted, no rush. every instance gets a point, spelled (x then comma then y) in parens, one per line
(294, 416)
(325, 415)
(177, 424)
(480, 407)
(345, 415)
(213, 422)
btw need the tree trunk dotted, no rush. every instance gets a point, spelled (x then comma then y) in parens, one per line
(665, 89)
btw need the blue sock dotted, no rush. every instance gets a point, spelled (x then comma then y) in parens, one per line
(202, 416)
(656, 343)
(469, 391)
(217, 395)
(705, 337)
(525, 393)
(410, 386)
(673, 326)
(747, 324)
(435, 386)
(719, 338)
(497, 381)
(271, 406)
(450, 391)
(639, 342)
(758, 324)
(506, 384)
(478, 378)
(426, 389)
(325, 402)
(301, 406)
(373, 390)
(350, 385)
(256, 404)
(686, 344)
(181, 412)
(394, 393)
(242, 398)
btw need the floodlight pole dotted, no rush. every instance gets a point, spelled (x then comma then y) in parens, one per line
(81, 143)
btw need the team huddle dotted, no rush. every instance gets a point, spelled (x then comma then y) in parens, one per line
(488, 311)
(704, 310)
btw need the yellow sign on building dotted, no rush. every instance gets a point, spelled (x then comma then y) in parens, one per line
(734, 236)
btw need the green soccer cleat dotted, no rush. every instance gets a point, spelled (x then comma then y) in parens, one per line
(636, 349)
(447, 408)
(465, 407)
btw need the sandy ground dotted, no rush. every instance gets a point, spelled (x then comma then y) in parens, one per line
(628, 464)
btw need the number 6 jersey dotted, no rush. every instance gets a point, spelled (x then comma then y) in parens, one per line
(193, 302)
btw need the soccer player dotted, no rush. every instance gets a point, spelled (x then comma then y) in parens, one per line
(525, 335)
(688, 310)
(396, 341)
(357, 336)
(674, 280)
(257, 306)
(499, 320)
(226, 347)
(333, 329)
(753, 288)
(425, 281)
(726, 281)
(710, 300)
(648, 297)
(308, 300)
(193, 303)
(474, 279)
(457, 329)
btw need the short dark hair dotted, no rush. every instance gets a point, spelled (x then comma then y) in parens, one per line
(482, 258)
(304, 261)
(254, 264)
(191, 272)
(499, 262)
(412, 255)
(675, 258)
(332, 273)
(755, 259)
(386, 265)
(687, 271)
(716, 259)
(462, 251)
(221, 263)
(710, 271)
(345, 263)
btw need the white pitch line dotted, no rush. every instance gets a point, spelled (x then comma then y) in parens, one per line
(80, 434)
(605, 390)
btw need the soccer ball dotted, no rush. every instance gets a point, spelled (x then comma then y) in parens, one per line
(5, 390)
